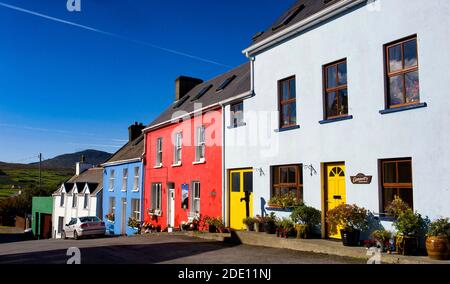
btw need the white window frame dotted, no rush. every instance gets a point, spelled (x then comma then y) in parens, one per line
(112, 205)
(178, 149)
(124, 179)
(62, 200)
(200, 144)
(136, 209)
(112, 178)
(86, 201)
(156, 195)
(74, 200)
(137, 175)
(159, 152)
(195, 197)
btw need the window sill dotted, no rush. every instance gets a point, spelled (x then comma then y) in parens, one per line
(277, 209)
(111, 190)
(199, 162)
(287, 128)
(158, 167)
(176, 165)
(237, 126)
(135, 190)
(336, 119)
(123, 190)
(405, 108)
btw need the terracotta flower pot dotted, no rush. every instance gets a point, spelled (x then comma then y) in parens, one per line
(438, 247)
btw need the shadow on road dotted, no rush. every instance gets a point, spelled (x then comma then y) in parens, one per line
(122, 254)
(15, 237)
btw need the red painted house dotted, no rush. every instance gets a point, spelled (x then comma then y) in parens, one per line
(183, 152)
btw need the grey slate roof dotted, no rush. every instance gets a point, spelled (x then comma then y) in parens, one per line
(93, 176)
(310, 8)
(239, 85)
(131, 150)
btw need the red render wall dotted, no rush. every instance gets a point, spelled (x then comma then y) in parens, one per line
(209, 174)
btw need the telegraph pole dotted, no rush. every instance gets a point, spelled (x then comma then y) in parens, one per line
(40, 170)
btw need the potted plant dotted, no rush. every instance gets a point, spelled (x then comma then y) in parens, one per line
(249, 223)
(269, 223)
(306, 218)
(258, 224)
(287, 227)
(382, 238)
(213, 224)
(351, 220)
(408, 225)
(437, 242)
(396, 207)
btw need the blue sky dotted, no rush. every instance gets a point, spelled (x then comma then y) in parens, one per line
(65, 88)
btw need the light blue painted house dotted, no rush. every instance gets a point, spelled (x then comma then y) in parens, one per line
(123, 185)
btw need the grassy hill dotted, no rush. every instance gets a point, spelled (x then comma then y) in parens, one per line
(68, 161)
(15, 177)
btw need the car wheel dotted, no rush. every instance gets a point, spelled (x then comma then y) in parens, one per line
(75, 235)
(63, 235)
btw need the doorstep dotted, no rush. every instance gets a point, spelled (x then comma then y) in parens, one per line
(313, 245)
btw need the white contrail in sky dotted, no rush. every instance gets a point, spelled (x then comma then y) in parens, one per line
(176, 52)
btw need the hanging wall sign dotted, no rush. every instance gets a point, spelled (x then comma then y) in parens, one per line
(361, 179)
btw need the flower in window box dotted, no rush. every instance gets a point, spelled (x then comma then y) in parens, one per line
(110, 217)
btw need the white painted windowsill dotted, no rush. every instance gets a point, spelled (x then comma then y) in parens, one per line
(202, 161)
(176, 165)
(158, 167)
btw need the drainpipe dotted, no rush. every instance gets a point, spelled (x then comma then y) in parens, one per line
(224, 176)
(142, 183)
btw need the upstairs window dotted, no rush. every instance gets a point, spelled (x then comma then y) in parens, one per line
(177, 148)
(125, 179)
(74, 200)
(287, 102)
(86, 201)
(136, 179)
(237, 114)
(336, 94)
(111, 180)
(159, 152)
(200, 144)
(63, 196)
(402, 68)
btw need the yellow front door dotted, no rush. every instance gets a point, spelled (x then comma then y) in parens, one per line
(336, 194)
(241, 197)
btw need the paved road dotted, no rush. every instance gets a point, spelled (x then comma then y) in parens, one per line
(156, 249)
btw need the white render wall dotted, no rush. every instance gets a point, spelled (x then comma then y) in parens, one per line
(68, 212)
(422, 134)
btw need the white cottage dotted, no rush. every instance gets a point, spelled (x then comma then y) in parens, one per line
(349, 106)
(80, 196)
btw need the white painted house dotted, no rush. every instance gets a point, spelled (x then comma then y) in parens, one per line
(79, 197)
(342, 88)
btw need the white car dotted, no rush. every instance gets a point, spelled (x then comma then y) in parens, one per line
(83, 227)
